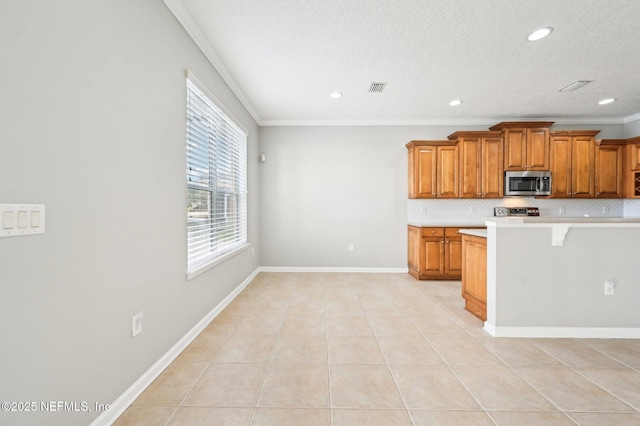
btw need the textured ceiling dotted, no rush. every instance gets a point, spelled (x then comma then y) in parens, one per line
(283, 58)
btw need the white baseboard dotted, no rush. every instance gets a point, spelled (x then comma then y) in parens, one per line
(564, 332)
(129, 396)
(333, 269)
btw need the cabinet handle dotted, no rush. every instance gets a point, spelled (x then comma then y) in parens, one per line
(433, 232)
(447, 241)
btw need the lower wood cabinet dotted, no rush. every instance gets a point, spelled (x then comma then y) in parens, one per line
(435, 253)
(474, 275)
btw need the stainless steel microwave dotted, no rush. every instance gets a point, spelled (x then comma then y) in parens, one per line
(527, 183)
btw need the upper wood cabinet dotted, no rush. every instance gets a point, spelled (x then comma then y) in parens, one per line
(433, 169)
(481, 171)
(633, 149)
(632, 168)
(572, 158)
(526, 144)
(609, 171)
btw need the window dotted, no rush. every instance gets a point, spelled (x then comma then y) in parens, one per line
(216, 181)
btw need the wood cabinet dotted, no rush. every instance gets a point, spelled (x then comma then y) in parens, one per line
(481, 171)
(632, 168)
(435, 253)
(474, 275)
(609, 172)
(433, 169)
(572, 157)
(526, 145)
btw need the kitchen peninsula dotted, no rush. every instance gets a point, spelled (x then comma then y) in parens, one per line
(546, 277)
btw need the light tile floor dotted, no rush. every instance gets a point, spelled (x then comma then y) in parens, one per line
(382, 349)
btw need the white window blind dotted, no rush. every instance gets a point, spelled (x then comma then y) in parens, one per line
(216, 181)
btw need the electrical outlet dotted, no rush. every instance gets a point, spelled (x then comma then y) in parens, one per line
(350, 248)
(609, 287)
(561, 210)
(605, 209)
(423, 210)
(136, 323)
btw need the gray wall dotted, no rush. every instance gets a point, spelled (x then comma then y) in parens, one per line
(323, 188)
(632, 129)
(538, 285)
(93, 126)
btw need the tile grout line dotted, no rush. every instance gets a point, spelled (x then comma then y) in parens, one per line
(446, 363)
(395, 382)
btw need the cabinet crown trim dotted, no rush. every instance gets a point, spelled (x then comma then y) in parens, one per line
(521, 124)
(474, 134)
(413, 144)
(574, 132)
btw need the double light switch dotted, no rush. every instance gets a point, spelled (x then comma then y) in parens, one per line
(21, 219)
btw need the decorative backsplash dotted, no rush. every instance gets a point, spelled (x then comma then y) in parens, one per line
(469, 210)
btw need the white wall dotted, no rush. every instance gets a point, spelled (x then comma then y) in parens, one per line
(93, 126)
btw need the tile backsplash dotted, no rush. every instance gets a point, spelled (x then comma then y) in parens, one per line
(469, 210)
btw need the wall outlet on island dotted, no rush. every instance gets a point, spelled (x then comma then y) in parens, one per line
(350, 248)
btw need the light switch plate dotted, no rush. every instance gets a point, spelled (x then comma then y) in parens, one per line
(21, 219)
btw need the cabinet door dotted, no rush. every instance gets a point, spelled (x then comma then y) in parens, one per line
(537, 149)
(447, 172)
(433, 252)
(608, 171)
(470, 167)
(474, 276)
(515, 149)
(582, 167)
(453, 253)
(425, 172)
(560, 162)
(492, 171)
(413, 251)
(634, 155)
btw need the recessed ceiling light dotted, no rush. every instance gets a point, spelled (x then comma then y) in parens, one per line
(541, 33)
(606, 101)
(336, 95)
(455, 102)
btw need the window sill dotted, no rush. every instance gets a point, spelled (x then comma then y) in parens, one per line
(194, 273)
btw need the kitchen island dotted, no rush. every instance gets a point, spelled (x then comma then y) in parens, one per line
(546, 277)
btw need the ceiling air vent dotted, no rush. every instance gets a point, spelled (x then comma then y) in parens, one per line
(377, 87)
(575, 85)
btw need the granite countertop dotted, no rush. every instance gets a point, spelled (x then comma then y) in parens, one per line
(478, 224)
(563, 220)
(475, 232)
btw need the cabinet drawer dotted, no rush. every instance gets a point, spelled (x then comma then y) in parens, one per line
(432, 232)
(452, 232)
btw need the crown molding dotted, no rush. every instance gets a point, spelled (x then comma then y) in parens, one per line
(182, 15)
(632, 118)
(446, 122)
